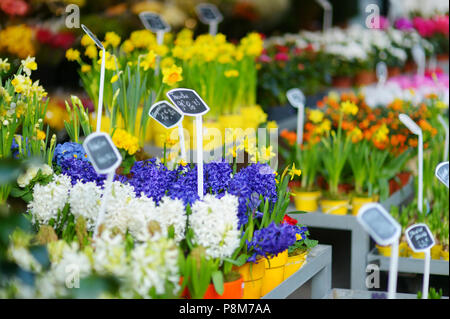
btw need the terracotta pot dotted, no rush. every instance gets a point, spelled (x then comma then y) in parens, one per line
(342, 82)
(394, 71)
(443, 57)
(232, 290)
(395, 186)
(409, 66)
(365, 77)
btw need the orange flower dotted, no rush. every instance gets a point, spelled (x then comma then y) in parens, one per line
(394, 140)
(290, 137)
(413, 142)
(397, 105)
(425, 125)
(309, 126)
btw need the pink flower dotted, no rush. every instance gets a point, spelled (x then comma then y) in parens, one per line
(441, 25)
(425, 27)
(384, 23)
(404, 24)
(283, 57)
(265, 58)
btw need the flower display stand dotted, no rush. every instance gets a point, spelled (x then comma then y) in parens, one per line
(360, 240)
(408, 264)
(317, 269)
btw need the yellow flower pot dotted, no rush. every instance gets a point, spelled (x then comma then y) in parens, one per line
(436, 251)
(444, 254)
(274, 273)
(413, 254)
(386, 250)
(294, 263)
(403, 249)
(334, 207)
(307, 201)
(252, 274)
(358, 202)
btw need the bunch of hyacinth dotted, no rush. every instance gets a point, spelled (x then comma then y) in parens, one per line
(214, 223)
(151, 179)
(49, 199)
(271, 241)
(69, 150)
(148, 270)
(79, 170)
(185, 185)
(254, 179)
(85, 201)
(216, 180)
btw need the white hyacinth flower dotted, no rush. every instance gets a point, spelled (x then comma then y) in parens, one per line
(49, 199)
(85, 202)
(215, 225)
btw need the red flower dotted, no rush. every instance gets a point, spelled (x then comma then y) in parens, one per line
(14, 7)
(289, 220)
(282, 48)
(281, 57)
(63, 40)
(44, 36)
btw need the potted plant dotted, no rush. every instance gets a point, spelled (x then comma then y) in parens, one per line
(265, 241)
(207, 271)
(306, 156)
(336, 148)
(298, 252)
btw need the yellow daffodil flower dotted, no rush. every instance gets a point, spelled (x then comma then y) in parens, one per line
(172, 75)
(72, 55)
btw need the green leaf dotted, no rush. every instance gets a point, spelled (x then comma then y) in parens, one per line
(297, 212)
(217, 279)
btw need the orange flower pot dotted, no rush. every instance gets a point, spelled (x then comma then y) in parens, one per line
(232, 290)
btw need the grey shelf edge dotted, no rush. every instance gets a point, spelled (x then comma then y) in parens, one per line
(409, 265)
(317, 268)
(360, 294)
